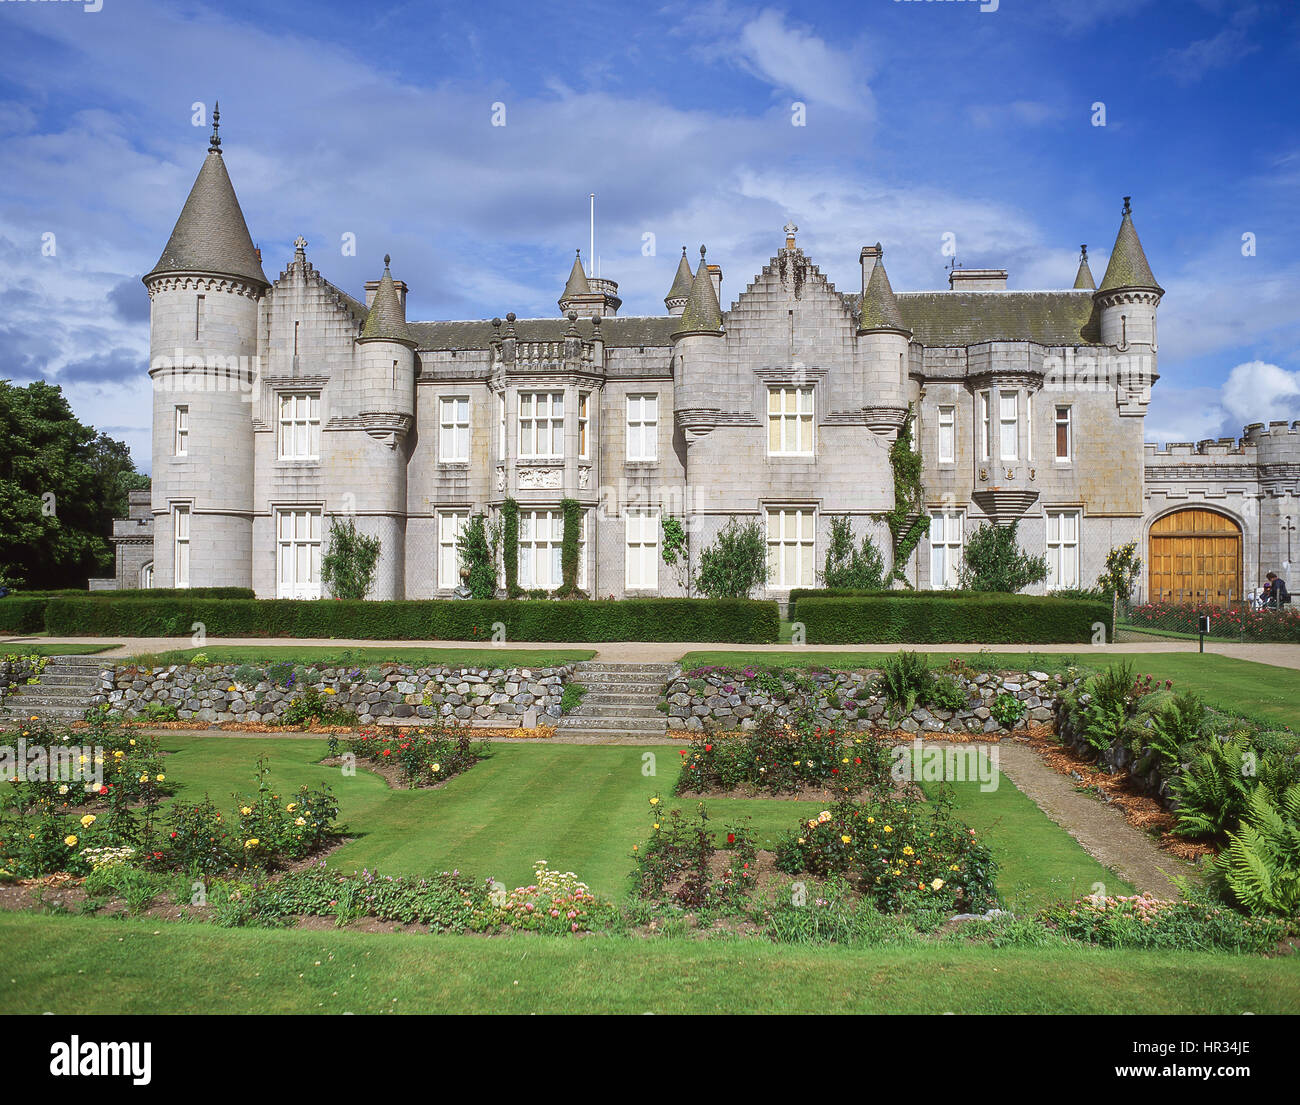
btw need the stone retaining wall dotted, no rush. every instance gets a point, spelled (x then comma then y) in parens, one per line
(213, 692)
(15, 673)
(715, 701)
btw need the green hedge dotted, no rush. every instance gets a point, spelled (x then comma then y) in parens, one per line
(22, 615)
(741, 621)
(954, 617)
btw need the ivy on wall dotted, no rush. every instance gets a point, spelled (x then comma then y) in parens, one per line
(572, 511)
(907, 522)
(510, 546)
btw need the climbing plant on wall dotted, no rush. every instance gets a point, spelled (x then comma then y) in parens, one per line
(510, 546)
(572, 512)
(907, 522)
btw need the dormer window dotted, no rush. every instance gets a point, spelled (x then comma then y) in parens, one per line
(790, 421)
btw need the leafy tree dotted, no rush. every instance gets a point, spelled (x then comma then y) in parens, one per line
(61, 485)
(736, 562)
(994, 561)
(1122, 567)
(907, 522)
(676, 552)
(477, 544)
(850, 567)
(348, 569)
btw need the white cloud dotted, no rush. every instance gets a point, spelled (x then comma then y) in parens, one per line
(795, 59)
(1261, 392)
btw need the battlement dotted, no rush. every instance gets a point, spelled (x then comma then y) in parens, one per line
(1274, 436)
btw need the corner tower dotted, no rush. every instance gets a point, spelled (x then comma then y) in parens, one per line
(1129, 295)
(205, 294)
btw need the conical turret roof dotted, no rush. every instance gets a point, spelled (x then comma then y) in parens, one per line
(879, 305)
(1083, 278)
(577, 284)
(681, 288)
(1128, 266)
(211, 236)
(387, 316)
(702, 314)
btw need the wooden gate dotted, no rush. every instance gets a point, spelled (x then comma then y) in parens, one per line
(1195, 555)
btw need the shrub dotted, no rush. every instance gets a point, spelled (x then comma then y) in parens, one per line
(993, 561)
(676, 865)
(904, 682)
(738, 620)
(348, 567)
(946, 693)
(272, 827)
(1260, 869)
(736, 562)
(831, 914)
(309, 706)
(1121, 571)
(22, 615)
(896, 852)
(922, 617)
(478, 553)
(555, 903)
(1006, 709)
(424, 758)
(1213, 793)
(848, 566)
(198, 839)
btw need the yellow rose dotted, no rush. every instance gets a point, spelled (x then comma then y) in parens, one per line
(245, 810)
(253, 843)
(654, 801)
(144, 778)
(87, 821)
(70, 841)
(888, 829)
(437, 768)
(937, 884)
(63, 789)
(846, 839)
(159, 778)
(291, 806)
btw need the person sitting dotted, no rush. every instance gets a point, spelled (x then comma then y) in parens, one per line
(1277, 594)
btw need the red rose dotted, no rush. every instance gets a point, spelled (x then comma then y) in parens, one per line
(731, 838)
(708, 748)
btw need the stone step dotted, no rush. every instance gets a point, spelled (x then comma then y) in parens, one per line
(61, 713)
(632, 724)
(23, 701)
(600, 709)
(595, 698)
(77, 663)
(588, 666)
(650, 689)
(58, 678)
(611, 734)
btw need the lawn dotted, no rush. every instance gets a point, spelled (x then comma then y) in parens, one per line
(328, 656)
(25, 647)
(49, 963)
(582, 808)
(1260, 691)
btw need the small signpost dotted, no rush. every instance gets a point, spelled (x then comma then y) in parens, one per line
(1203, 624)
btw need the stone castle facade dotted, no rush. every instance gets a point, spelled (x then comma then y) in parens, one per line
(281, 405)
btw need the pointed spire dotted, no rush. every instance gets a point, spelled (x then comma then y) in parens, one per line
(879, 304)
(681, 288)
(1128, 266)
(1083, 278)
(386, 319)
(702, 314)
(215, 145)
(211, 236)
(577, 284)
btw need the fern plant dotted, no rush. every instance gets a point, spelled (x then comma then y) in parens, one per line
(1261, 865)
(904, 681)
(1173, 727)
(1213, 792)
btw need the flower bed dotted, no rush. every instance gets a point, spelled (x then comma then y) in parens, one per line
(1239, 624)
(418, 759)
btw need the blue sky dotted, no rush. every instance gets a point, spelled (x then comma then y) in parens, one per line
(922, 119)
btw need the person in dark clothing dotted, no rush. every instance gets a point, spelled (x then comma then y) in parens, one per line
(1277, 595)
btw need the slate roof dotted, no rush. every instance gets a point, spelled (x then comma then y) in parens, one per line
(577, 284)
(970, 318)
(627, 332)
(879, 307)
(1128, 266)
(682, 280)
(701, 315)
(387, 319)
(211, 236)
(1083, 278)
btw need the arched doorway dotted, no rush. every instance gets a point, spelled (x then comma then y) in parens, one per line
(1194, 555)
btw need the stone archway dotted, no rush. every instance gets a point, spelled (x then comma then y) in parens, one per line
(1194, 555)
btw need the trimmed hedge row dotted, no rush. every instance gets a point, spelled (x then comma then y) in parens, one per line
(22, 615)
(24, 612)
(934, 617)
(741, 621)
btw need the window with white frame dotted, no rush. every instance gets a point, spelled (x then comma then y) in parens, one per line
(541, 537)
(298, 553)
(501, 426)
(945, 549)
(642, 427)
(1064, 434)
(1008, 426)
(584, 425)
(947, 435)
(986, 426)
(642, 549)
(789, 421)
(453, 429)
(541, 424)
(300, 427)
(582, 551)
(451, 524)
(791, 547)
(1062, 549)
(181, 543)
(182, 447)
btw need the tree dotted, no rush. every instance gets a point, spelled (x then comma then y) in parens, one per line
(676, 552)
(907, 524)
(61, 485)
(994, 561)
(1122, 567)
(849, 567)
(348, 569)
(736, 562)
(477, 545)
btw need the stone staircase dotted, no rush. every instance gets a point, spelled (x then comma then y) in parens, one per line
(66, 688)
(622, 700)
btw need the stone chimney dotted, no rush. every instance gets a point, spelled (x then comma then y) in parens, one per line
(868, 258)
(977, 280)
(715, 274)
(372, 286)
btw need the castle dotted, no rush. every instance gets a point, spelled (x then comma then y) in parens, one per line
(281, 405)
